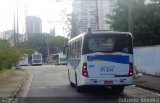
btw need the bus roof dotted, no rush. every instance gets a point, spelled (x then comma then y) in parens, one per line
(98, 32)
(110, 32)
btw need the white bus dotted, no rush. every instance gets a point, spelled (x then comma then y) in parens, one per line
(36, 59)
(23, 61)
(100, 58)
(59, 59)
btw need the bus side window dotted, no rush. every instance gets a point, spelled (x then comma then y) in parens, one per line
(78, 48)
(72, 46)
(69, 51)
(75, 49)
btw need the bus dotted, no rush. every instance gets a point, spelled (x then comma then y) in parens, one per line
(23, 61)
(59, 59)
(100, 58)
(36, 59)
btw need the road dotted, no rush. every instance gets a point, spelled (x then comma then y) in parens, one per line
(49, 84)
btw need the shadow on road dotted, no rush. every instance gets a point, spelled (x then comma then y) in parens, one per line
(100, 92)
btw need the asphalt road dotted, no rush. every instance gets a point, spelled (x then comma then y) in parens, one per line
(49, 84)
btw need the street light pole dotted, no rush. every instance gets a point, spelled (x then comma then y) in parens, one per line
(97, 16)
(14, 26)
(17, 25)
(130, 16)
(64, 36)
(48, 52)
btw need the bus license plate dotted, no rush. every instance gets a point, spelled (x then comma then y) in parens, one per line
(108, 82)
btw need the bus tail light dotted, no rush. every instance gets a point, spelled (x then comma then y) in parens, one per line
(84, 70)
(130, 69)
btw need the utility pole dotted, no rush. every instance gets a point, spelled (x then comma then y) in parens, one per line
(48, 52)
(14, 26)
(26, 34)
(97, 16)
(64, 36)
(130, 16)
(17, 28)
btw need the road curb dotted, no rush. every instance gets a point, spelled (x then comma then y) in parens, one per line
(15, 94)
(148, 88)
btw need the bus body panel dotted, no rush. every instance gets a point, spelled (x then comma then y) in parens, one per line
(97, 75)
(102, 65)
(125, 81)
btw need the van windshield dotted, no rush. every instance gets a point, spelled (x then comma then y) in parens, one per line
(107, 43)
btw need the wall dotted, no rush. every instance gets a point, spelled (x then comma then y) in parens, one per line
(147, 59)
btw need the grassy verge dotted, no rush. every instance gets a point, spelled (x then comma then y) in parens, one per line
(4, 70)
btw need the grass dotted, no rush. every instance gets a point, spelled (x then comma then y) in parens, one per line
(4, 70)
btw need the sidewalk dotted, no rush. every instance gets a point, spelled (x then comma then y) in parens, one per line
(13, 82)
(149, 82)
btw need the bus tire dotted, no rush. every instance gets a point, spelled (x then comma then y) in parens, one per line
(78, 88)
(121, 89)
(71, 84)
(117, 89)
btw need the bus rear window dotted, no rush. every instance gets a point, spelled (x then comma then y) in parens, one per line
(36, 56)
(108, 44)
(101, 44)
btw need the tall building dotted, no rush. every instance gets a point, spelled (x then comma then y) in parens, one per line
(93, 13)
(85, 13)
(33, 25)
(103, 11)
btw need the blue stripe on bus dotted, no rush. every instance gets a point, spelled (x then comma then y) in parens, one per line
(110, 58)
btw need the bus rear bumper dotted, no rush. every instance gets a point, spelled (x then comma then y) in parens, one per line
(106, 81)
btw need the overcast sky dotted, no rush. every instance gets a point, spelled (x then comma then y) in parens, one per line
(48, 10)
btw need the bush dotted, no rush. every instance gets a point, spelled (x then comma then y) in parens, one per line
(8, 55)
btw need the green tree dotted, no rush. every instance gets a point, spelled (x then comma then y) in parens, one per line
(73, 25)
(146, 20)
(43, 42)
(8, 55)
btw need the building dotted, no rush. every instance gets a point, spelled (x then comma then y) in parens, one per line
(85, 13)
(8, 34)
(103, 10)
(1, 35)
(92, 13)
(33, 25)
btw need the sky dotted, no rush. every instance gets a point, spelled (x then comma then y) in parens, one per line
(49, 11)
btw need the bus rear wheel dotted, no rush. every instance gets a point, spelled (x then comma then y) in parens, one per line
(78, 88)
(117, 89)
(71, 84)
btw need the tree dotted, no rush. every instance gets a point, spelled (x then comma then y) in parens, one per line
(8, 55)
(119, 17)
(146, 20)
(44, 42)
(73, 25)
